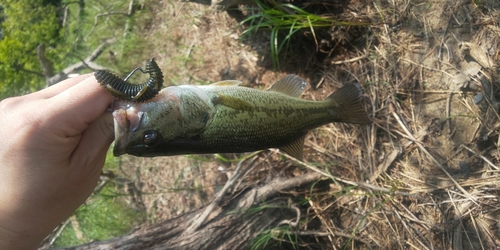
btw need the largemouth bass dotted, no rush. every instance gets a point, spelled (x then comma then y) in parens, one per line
(226, 118)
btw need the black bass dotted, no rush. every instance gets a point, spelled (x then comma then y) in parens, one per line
(226, 118)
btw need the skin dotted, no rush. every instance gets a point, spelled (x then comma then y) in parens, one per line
(54, 144)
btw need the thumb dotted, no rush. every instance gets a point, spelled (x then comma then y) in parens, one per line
(88, 98)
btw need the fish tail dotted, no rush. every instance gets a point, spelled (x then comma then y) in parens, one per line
(347, 105)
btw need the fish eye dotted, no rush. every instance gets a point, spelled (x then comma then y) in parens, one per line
(150, 137)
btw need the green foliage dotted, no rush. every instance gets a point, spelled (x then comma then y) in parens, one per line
(102, 217)
(261, 240)
(27, 23)
(289, 18)
(70, 30)
(269, 239)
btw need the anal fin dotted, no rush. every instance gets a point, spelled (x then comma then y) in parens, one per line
(295, 148)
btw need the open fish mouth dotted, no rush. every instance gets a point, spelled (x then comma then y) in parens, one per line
(125, 121)
(121, 125)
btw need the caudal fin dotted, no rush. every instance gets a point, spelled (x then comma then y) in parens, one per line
(348, 104)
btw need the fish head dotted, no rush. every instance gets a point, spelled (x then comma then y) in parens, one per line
(143, 129)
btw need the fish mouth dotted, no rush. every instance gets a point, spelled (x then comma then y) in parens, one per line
(126, 121)
(121, 125)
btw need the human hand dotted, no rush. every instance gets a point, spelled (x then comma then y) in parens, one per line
(54, 144)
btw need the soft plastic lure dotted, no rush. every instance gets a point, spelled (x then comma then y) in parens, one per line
(127, 91)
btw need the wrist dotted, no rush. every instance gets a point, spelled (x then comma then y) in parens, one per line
(17, 231)
(13, 240)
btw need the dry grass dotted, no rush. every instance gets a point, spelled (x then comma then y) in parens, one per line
(424, 175)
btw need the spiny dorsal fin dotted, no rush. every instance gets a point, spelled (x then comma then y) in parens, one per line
(291, 85)
(295, 148)
(233, 102)
(226, 83)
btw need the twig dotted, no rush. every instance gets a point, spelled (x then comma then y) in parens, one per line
(407, 227)
(388, 160)
(349, 60)
(431, 92)
(198, 221)
(429, 68)
(315, 233)
(390, 223)
(448, 112)
(419, 144)
(441, 43)
(480, 156)
(188, 53)
(354, 183)
(76, 227)
(292, 224)
(323, 220)
(103, 15)
(57, 233)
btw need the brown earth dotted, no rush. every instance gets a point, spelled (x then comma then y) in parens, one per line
(424, 175)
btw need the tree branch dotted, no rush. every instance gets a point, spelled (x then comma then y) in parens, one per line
(232, 225)
(83, 64)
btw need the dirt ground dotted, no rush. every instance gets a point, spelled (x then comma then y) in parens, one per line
(424, 175)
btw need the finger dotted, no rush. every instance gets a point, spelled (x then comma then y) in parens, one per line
(91, 151)
(79, 105)
(58, 88)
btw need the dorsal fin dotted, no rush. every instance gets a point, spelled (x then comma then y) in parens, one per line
(295, 148)
(291, 85)
(226, 83)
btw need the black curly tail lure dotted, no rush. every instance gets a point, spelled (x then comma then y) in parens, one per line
(127, 91)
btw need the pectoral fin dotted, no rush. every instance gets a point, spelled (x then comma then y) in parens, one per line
(295, 148)
(291, 85)
(233, 102)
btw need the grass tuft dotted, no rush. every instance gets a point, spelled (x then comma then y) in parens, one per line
(268, 239)
(278, 17)
(102, 217)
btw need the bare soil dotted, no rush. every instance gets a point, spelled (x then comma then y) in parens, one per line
(424, 175)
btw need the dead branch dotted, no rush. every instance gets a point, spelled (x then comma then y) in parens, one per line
(83, 64)
(230, 226)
